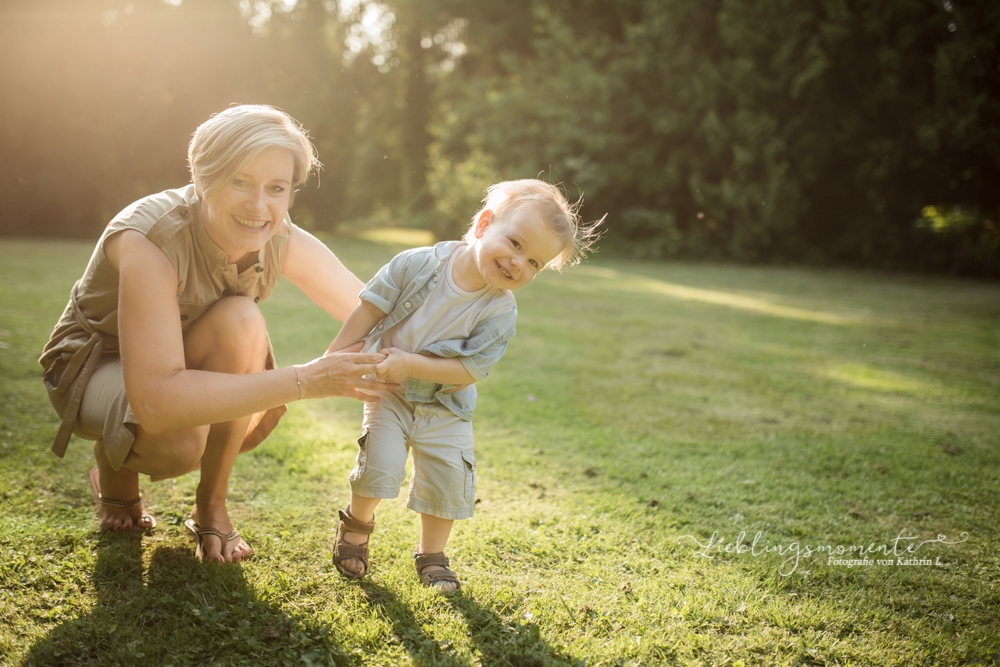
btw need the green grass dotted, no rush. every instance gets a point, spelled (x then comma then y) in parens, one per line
(638, 404)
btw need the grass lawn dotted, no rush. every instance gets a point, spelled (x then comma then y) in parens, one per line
(645, 417)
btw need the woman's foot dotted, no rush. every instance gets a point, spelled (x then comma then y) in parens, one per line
(116, 492)
(214, 548)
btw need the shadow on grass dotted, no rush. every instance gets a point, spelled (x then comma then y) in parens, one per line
(498, 642)
(182, 612)
(501, 642)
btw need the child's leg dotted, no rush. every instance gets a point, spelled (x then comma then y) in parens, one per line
(378, 473)
(362, 509)
(434, 534)
(442, 488)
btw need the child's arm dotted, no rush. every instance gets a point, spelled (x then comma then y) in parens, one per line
(358, 324)
(400, 365)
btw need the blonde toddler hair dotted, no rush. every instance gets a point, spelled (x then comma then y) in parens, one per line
(224, 142)
(562, 217)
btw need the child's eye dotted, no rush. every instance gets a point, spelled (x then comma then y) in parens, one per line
(515, 244)
(533, 263)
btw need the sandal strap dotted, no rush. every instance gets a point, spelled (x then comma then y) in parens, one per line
(439, 576)
(123, 504)
(420, 561)
(202, 532)
(352, 525)
(344, 550)
(423, 561)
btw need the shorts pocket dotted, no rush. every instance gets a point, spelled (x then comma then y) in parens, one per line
(362, 461)
(469, 459)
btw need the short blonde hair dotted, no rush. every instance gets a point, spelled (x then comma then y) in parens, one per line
(562, 217)
(224, 142)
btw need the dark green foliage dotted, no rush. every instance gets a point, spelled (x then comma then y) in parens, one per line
(771, 131)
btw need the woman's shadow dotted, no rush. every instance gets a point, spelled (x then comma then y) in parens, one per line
(181, 612)
(498, 641)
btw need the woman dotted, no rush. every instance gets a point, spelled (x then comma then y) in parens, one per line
(161, 353)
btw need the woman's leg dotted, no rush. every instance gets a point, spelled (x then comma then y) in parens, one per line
(230, 337)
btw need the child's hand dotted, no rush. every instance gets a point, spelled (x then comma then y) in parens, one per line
(395, 368)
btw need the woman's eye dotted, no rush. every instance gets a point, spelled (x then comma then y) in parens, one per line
(240, 183)
(277, 189)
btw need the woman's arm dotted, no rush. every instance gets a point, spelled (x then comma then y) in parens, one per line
(163, 393)
(315, 270)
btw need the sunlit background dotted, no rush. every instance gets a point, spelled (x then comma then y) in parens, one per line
(863, 133)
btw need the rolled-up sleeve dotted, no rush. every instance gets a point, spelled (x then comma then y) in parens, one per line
(384, 289)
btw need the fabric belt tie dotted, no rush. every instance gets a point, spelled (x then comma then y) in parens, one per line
(87, 358)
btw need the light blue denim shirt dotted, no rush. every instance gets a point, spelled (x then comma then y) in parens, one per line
(400, 287)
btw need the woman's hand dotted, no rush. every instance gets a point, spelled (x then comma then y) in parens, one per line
(341, 374)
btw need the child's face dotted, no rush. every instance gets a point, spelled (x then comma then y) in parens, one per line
(513, 249)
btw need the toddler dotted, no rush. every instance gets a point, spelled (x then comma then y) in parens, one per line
(443, 316)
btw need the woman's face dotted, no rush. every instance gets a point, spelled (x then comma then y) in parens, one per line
(247, 212)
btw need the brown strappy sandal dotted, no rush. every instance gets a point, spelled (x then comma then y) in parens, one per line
(95, 485)
(199, 533)
(344, 550)
(434, 577)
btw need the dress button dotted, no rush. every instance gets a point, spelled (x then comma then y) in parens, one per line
(380, 325)
(184, 212)
(256, 299)
(184, 318)
(260, 269)
(407, 304)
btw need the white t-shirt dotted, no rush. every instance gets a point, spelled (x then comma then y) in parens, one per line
(448, 313)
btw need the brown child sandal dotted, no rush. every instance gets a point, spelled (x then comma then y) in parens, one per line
(95, 485)
(344, 550)
(199, 533)
(434, 577)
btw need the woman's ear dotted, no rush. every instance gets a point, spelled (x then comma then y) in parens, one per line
(485, 218)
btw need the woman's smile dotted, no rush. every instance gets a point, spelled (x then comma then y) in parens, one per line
(249, 223)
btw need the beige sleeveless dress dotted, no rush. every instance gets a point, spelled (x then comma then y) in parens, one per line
(86, 336)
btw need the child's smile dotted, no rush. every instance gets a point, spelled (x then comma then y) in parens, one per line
(510, 250)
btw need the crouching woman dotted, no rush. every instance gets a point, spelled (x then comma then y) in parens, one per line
(161, 356)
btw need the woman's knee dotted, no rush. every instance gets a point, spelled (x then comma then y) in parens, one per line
(238, 316)
(230, 336)
(168, 455)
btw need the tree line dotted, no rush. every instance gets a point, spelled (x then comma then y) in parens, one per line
(861, 132)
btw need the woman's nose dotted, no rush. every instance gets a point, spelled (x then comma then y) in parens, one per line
(257, 200)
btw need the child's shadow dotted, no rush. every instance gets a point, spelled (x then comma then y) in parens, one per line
(499, 642)
(182, 611)
(512, 643)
